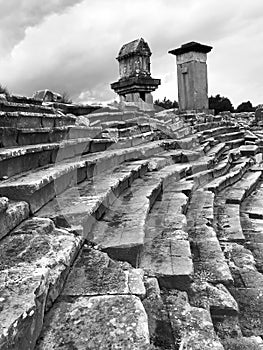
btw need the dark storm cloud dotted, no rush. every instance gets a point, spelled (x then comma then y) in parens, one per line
(71, 45)
(17, 15)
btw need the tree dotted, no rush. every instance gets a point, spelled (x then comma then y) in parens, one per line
(65, 98)
(245, 107)
(220, 104)
(166, 103)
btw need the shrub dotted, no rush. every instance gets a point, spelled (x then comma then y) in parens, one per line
(65, 98)
(4, 90)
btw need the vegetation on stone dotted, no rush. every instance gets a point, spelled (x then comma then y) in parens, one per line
(65, 98)
(220, 104)
(4, 90)
(166, 103)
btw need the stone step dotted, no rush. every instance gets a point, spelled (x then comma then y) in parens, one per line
(187, 143)
(94, 273)
(34, 120)
(230, 178)
(256, 249)
(19, 137)
(243, 188)
(201, 178)
(11, 215)
(171, 132)
(121, 232)
(102, 117)
(212, 125)
(214, 298)
(166, 251)
(215, 166)
(250, 136)
(247, 289)
(41, 185)
(208, 257)
(16, 160)
(185, 186)
(80, 206)
(135, 130)
(95, 323)
(34, 262)
(132, 141)
(201, 210)
(175, 324)
(24, 99)
(221, 133)
(230, 136)
(119, 124)
(7, 106)
(254, 204)
(216, 151)
(249, 150)
(228, 221)
(227, 207)
(235, 143)
(112, 288)
(252, 228)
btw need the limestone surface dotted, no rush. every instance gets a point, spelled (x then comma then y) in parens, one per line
(116, 321)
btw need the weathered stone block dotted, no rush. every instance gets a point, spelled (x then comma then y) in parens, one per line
(12, 216)
(33, 262)
(94, 273)
(97, 323)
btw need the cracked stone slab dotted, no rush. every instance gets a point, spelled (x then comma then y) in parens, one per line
(230, 225)
(201, 209)
(194, 324)
(241, 189)
(121, 231)
(78, 206)
(34, 262)
(94, 273)
(41, 185)
(12, 216)
(254, 204)
(250, 301)
(95, 323)
(210, 258)
(252, 228)
(257, 251)
(214, 298)
(160, 328)
(248, 150)
(169, 260)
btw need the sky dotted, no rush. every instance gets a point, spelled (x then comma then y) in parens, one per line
(71, 45)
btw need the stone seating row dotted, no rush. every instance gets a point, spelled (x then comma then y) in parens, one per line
(42, 184)
(21, 328)
(32, 120)
(11, 106)
(11, 136)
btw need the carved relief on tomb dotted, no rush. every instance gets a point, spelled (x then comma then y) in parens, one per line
(137, 65)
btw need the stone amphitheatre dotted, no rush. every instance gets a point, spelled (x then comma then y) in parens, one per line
(130, 228)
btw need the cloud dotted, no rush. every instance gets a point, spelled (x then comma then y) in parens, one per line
(71, 45)
(17, 15)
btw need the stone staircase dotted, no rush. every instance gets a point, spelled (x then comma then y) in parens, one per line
(132, 233)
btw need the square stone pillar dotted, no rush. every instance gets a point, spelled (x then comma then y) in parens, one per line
(192, 76)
